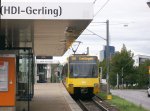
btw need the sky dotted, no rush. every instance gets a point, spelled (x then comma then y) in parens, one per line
(129, 24)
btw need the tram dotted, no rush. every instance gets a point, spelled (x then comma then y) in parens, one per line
(81, 75)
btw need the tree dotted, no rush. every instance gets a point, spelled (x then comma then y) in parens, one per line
(122, 63)
(142, 74)
(103, 65)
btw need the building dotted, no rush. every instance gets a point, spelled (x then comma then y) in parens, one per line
(140, 59)
(103, 52)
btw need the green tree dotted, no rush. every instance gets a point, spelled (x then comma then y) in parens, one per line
(103, 66)
(142, 74)
(122, 63)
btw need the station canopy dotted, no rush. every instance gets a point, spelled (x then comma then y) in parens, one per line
(48, 27)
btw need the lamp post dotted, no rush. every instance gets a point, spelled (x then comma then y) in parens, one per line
(107, 55)
(148, 3)
(107, 60)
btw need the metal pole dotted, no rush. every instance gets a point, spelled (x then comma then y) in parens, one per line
(101, 74)
(117, 81)
(107, 56)
(149, 75)
(122, 77)
(27, 57)
(87, 50)
(149, 80)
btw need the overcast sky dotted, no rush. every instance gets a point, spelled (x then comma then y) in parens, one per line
(129, 25)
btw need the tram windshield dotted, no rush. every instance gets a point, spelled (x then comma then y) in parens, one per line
(83, 69)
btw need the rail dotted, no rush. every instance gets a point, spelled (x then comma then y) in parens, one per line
(95, 104)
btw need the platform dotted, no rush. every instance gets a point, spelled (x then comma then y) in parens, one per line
(52, 97)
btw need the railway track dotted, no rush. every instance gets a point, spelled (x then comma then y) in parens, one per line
(95, 104)
(88, 105)
(91, 105)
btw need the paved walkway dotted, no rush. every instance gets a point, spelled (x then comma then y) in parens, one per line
(52, 97)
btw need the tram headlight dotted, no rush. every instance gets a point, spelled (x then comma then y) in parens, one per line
(96, 85)
(70, 85)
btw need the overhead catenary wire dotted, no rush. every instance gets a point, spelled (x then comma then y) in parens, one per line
(90, 39)
(93, 33)
(96, 34)
(96, 15)
(102, 7)
(94, 1)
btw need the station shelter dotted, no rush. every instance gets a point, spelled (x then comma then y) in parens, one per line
(29, 29)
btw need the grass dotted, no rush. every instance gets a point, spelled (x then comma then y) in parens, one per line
(122, 104)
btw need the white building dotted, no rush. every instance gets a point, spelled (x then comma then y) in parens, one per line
(140, 59)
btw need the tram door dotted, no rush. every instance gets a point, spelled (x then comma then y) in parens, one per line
(7, 83)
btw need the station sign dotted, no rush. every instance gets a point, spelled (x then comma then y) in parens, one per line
(83, 58)
(44, 57)
(45, 10)
(46, 61)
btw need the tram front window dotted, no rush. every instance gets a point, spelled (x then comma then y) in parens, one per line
(83, 70)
